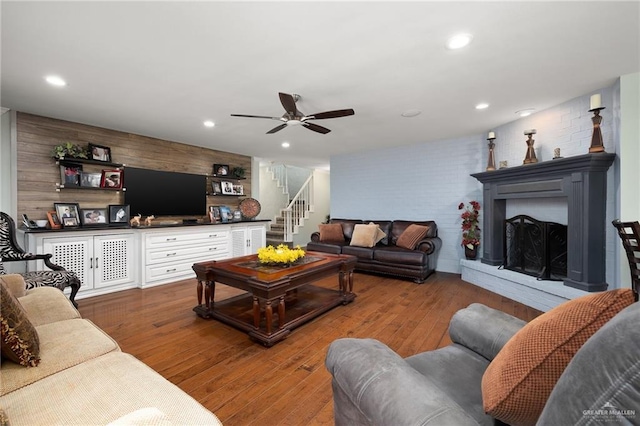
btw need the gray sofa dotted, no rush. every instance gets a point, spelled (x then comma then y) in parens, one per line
(373, 385)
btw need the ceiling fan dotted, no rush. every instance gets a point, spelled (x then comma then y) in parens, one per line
(293, 116)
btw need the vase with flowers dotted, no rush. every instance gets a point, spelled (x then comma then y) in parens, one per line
(470, 228)
(280, 256)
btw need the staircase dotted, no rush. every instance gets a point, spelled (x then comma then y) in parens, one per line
(292, 216)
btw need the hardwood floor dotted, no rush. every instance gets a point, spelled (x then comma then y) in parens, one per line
(244, 383)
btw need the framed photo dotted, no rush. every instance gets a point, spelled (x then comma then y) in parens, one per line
(216, 187)
(100, 153)
(225, 214)
(93, 217)
(111, 179)
(238, 189)
(227, 187)
(221, 170)
(54, 220)
(70, 175)
(90, 180)
(214, 214)
(68, 214)
(119, 213)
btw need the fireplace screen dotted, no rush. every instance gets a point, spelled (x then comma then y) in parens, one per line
(535, 248)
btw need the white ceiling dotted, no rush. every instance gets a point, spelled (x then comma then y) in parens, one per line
(162, 68)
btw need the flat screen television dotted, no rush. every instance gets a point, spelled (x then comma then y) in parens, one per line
(159, 193)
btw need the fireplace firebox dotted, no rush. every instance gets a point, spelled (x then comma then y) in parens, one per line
(536, 248)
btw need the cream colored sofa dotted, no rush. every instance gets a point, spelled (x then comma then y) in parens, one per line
(83, 378)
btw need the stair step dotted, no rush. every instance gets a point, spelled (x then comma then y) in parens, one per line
(277, 227)
(275, 234)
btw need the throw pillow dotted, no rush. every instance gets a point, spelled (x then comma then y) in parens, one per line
(380, 235)
(411, 236)
(331, 232)
(20, 341)
(365, 235)
(519, 380)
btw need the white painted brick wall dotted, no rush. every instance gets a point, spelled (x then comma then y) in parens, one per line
(427, 181)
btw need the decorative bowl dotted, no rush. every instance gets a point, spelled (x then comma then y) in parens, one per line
(42, 223)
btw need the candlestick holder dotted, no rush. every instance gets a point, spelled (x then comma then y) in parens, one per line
(530, 158)
(491, 163)
(596, 138)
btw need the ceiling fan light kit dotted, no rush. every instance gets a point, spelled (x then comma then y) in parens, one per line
(294, 117)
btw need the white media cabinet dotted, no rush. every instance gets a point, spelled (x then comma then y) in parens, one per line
(108, 260)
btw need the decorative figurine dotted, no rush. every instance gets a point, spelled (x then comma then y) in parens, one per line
(530, 158)
(135, 221)
(147, 221)
(503, 164)
(556, 153)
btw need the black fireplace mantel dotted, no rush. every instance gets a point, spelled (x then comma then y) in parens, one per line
(582, 180)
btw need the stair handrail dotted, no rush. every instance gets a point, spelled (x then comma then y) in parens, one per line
(300, 205)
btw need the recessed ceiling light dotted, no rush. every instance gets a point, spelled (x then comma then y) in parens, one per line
(411, 113)
(482, 106)
(54, 80)
(525, 112)
(209, 123)
(285, 144)
(459, 41)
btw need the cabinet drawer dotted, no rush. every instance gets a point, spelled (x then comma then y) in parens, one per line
(178, 270)
(172, 254)
(167, 240)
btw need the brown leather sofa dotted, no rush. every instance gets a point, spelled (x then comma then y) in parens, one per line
(386, 257)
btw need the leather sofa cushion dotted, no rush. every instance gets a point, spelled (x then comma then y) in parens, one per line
(331, 232)
(347, 226)
(333, 248)
(519, 380)
(398, 255)
(362, 253)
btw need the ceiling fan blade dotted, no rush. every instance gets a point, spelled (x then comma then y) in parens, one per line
(331, 114)
(316, 128)
(256, 116)
(289, 104)
(277, 128)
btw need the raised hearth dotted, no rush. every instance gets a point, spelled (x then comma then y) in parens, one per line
(582, 180)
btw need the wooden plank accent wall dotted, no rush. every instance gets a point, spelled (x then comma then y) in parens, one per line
(38, 172)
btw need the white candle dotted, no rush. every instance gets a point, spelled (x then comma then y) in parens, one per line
(596, 101)
(492, 135)
(532, 132)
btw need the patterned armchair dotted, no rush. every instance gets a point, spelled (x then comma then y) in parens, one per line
(629, 233)
(10, 251)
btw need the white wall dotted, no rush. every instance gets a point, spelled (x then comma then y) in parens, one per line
(428, 181)
(321, 203)
(8, 183)
(271, 197)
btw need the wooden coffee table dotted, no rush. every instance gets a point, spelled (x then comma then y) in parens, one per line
(286, 292)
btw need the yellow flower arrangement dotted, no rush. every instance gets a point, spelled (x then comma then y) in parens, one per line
(281, 255)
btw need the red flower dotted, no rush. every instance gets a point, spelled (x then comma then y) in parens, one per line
(470, 228)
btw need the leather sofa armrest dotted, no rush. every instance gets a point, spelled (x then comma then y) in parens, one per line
(374, 385)
(482, 329)
(315, 237)
(429, 245)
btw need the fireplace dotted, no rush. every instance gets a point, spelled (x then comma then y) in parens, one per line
(536, 248)
(582, 181)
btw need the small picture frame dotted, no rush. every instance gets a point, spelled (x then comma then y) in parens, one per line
(93, 217)
(238, 189)
(227, 187)
(68, 213)
(225, 214)
(90, 180)
(214, 214)
(221, 170)
(111, 179)
(54, 220)
(100, 153)
(70, 175)
(119, 214)
(216, 187)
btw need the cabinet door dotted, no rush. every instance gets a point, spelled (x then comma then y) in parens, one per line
(257, 238)
(74, 254)
(239, 242)
(113, 255)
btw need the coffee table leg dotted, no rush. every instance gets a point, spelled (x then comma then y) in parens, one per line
(256, 312)
(199, 289)
(209, 293)
(281, 313)
(268, 313)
